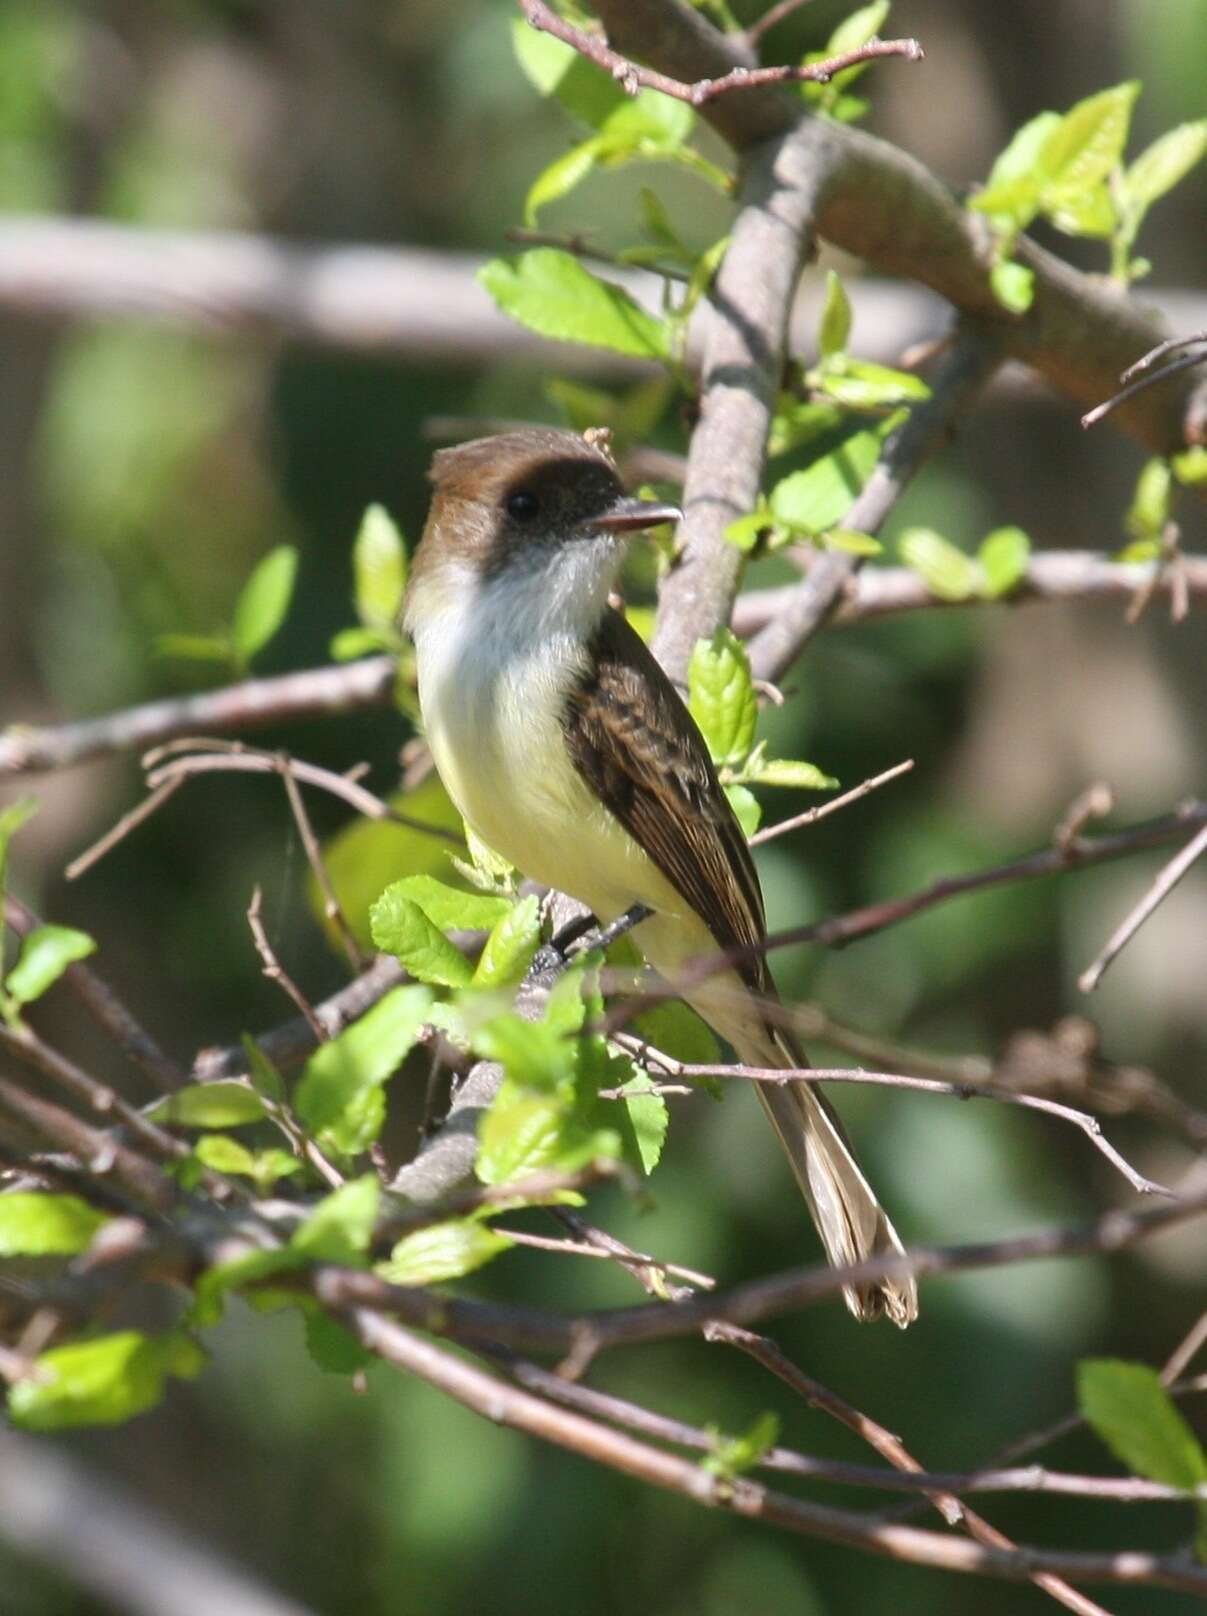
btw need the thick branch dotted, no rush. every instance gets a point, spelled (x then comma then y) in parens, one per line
(884, 206)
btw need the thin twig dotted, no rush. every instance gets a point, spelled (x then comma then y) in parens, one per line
(1088, 1124)
(1156, 894)
(332, 907)
(151, 803)
(631, 77)
(580, 247)
(1185, 1351)
(812, 815)
(275, 971)
(1146, 377)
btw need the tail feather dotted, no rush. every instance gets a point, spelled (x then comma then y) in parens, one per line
(850, 1220)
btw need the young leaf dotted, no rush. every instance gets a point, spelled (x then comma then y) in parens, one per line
(1150, 506)
(194, 647)
(551, 293)
(561, 177)
(45, 955)
(721, 695)
(1013, 285)
(649, 1120)
(350, 643)
(224, 1154)
(537, 1054)
(1133, 1413)
(733, 1455)
(340, 1073)
(747, 808)
(445, 1251)
(1190, 467)
(101, 1382)
(520, 1133)
(791, 772)
(557, 69)
(511, 945)
(379, 568)
(817, 498)
(341, 1225)
(400, 927)
(451, 909)
(33, 1224)
(332, 1348)
(261, 607)
(852, 541)
(835, 326)
(1020, 159)
(1088, 142)
(11, 819)
(746, 531)
(225, 1104)
(946, 571)
(1003, 555)
(1168, 160)
(861, 384)
(857, 29)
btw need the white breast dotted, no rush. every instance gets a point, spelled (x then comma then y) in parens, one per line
(496, 665)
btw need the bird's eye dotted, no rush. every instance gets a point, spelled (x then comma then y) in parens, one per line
(523, 505)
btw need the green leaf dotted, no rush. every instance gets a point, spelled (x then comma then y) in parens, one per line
(11, 819)
(857, 29)
(1003, 556)
(746, 531)
(861, 384)
(36, 1225)
(746, 807)
(379, 568)
(451, 909)
(1135, 1416)
(1151, 503)
(445, 1251)
(265, 1078)
(225, 1104)
(649, 1120)
(678, 1031)
(537, 1054)
(561, 177)
(341, 1226)
(791, 772)
(817, 498)
(649, 116)
(1088, 142)
(1190, 466)
(400, 927)
(332, 1348)
(224, 1154)
(721, 695)
(852, 542)
(1013, 285)
(209, 1293)
(351, 643)
(551, 293)
(734, 1455)
(1160, 167)
(1140, 550)
(339, 1074)
(946, 571)
(261, 607)
(835, 326)
(101, 1382)
(511, 945)
(1084, 213)
(45, 955)
(521, 1133)
(557, 69)
(1020, 159)
(194, 647)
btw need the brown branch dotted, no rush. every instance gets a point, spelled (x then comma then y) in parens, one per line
(253, 702)
(1081, 854)
(503, 1404)
(99, 1154)
(812, 815)
(1156, 894)
(1089, 1125)
(107, 1010)
(1141, 375)
(275, 971)
(582, 1334)
(332, 907)
(631, 77)
(965, 367)
(766, 1352)
(1051, 575)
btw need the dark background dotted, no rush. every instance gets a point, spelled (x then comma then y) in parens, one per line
(143, 470)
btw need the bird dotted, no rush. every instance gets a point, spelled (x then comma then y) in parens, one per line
(568, 750)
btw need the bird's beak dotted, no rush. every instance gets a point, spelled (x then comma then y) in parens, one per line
(628, 515)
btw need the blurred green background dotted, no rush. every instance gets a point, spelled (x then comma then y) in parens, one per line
(144, 470)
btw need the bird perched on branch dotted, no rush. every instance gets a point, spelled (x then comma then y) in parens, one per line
(568, 750)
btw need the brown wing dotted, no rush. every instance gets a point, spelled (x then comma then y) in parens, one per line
(635, 743)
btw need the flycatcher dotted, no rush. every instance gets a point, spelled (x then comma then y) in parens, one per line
(569, 751)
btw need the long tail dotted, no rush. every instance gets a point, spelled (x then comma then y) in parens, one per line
(850, 1220)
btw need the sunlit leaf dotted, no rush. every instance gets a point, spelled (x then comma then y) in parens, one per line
(444, 1251)
(835, 326)
(34, 1224)
(1013, 285)
(721, 695)
(101, 1382)
(400, 927)
(946, 571)
(551, 293)
(263, 602)
(360, 1059)
(1169, 159)
(1003, 556)
(224, 1104)
(511, 945)
(341, 1225)
(379, 568)
(45, 955)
